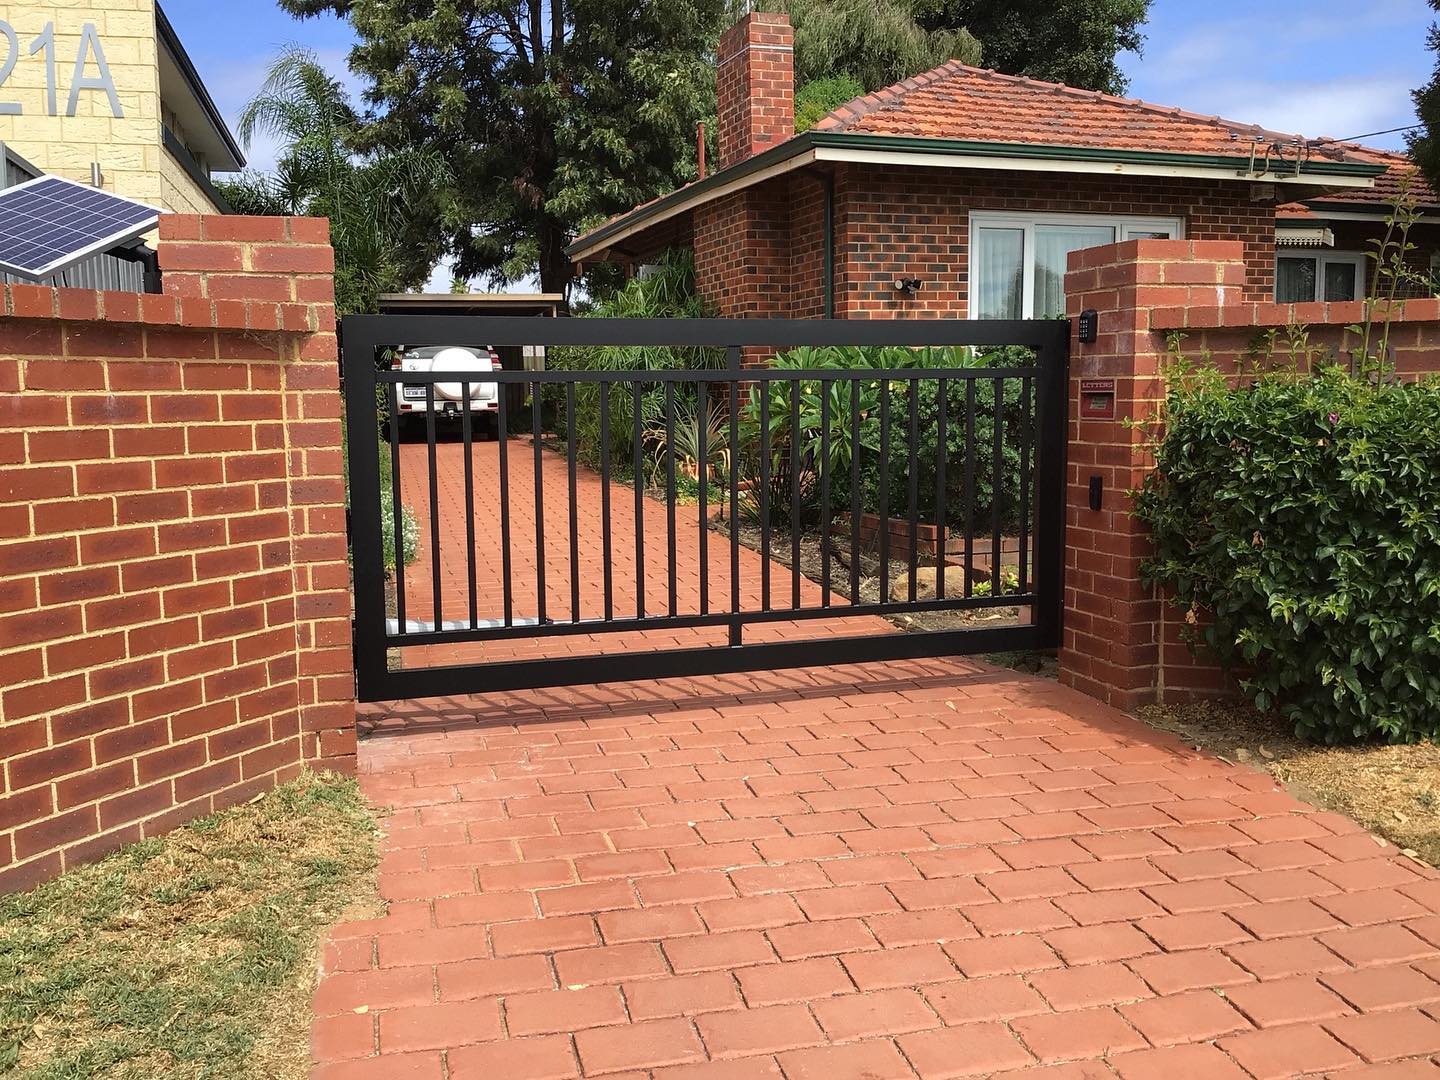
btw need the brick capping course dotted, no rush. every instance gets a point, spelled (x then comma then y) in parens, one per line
(174, 586)
(1254, 316)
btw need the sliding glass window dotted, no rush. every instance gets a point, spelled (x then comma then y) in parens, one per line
(1018, 261)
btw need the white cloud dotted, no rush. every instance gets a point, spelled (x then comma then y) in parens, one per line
(1216, 49)
(1314, 68)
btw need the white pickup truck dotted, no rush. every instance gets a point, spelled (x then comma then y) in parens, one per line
(449, 399)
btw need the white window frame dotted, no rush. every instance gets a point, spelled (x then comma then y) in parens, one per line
(1322, 259)
(1026, 221)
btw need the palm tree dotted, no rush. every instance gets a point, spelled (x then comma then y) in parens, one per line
(371, 200)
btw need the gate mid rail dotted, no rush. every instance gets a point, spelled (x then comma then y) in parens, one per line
(1025, 444)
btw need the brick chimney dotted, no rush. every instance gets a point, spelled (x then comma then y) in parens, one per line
(755, 86)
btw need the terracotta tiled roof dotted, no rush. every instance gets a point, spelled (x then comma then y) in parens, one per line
(956, 101)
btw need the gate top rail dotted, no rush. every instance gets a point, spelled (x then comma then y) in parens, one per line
(371, 331)
(705, 375)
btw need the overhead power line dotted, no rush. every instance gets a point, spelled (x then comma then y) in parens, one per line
(1372, 134)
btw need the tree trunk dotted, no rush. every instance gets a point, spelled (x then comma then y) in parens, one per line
(555, 267)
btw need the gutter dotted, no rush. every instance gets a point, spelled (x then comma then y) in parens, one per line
(844, 146)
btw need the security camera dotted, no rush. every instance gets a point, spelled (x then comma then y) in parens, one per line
(908, 286)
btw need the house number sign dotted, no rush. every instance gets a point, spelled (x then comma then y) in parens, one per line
(44, 43)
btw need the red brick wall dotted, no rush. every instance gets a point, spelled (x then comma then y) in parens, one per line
(755, 86)
(915, 223)
(174, 589)
(759, 252)
(1122, 644)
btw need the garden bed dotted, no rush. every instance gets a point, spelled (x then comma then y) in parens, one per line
(1393, 791)
(189, 955)
(812, 566)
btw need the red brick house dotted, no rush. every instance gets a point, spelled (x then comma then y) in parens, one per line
(977, 185)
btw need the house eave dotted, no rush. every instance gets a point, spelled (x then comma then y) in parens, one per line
(1357, 212)
(228, 156)
(852, 148)
(777, 161)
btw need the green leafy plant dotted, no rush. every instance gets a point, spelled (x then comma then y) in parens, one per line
(1392, 279)
(409, 535)
(817, 98)
(855, 435)
(371, 200)
(667, 291)
(1296, 522)
(689, 427)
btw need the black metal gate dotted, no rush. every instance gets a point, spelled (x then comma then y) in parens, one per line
(930, 480)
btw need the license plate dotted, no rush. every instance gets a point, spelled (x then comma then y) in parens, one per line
(413, 392)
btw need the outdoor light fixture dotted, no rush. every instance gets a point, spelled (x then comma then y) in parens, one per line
(908, 286)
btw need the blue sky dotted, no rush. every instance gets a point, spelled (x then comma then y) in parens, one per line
(1313, 67)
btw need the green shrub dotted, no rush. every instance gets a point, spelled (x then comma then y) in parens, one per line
(1297, 519)
(668, 292)
(820, 96)
(409, 533)
(894, 479)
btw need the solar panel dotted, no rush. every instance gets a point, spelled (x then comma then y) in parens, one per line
(50, 223)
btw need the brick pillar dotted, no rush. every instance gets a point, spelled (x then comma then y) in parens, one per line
(755, 86)
(1115, 629)
(174, 602)
(290, 261)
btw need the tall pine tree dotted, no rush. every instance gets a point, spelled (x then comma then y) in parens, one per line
(1425, 144)
(551, 114)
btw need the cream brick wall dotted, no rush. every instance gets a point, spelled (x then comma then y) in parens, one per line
(129, 149)
(178, 192)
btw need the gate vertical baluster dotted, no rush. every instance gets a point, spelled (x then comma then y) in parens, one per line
(969, 485)
(502, 430)
(824, 494)
(941, 503)
(702, 412)
(795, 494)
(574, 508)
(670, 490)
(1025, 437)
(914, 494)
(765, 386)
(638, 469)
(884, 508)
(467, 436)
(535, 409)
(434, 503)
(397, 510)
(605, 541)
(854, 491)
(997, 483)
(1051, 417)
(733, 362)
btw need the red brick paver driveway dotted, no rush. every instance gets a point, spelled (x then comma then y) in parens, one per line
(590, 561)
(927, 869)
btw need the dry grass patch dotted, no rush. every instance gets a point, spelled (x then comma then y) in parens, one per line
(190, 955)
(1391, 790)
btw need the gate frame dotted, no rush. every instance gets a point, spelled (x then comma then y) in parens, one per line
(363, 335)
